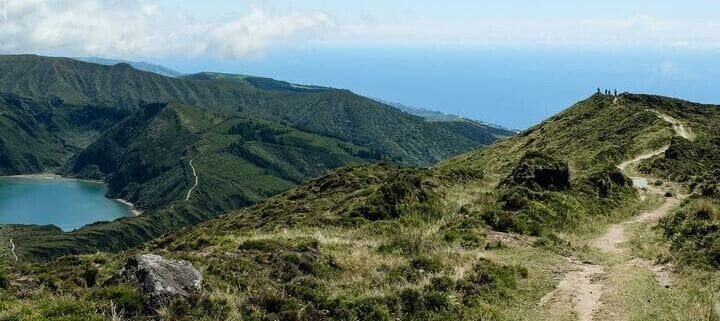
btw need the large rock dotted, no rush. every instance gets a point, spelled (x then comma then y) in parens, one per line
(160, 280)
(539, 172)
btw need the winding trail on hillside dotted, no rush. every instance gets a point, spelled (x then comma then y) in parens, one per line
(581, 290)
(189, 193)
(680, 129)
(194, 172)
(12, 250)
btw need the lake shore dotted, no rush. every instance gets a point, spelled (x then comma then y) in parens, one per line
(51, 176)
(134, 210)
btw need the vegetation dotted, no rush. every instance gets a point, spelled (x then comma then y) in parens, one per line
(694, 233)
(481, 236)
(333, 113)
(149, 136)
(692, 230)
(327, 250)
(41, 136)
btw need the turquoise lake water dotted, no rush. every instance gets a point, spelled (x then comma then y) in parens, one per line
(67, 204)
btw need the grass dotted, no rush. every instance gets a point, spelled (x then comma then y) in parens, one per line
(637, 295)
(382, 242)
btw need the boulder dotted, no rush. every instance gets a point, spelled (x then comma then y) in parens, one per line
(539, 172)
(159, 280)
(609, 180)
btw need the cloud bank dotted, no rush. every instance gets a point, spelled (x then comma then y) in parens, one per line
(622, 31)
(135, 28)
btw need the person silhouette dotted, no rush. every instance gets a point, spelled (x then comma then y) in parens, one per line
(615, 92)
(598, 90)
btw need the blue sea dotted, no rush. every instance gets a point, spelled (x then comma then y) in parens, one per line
(513, 87)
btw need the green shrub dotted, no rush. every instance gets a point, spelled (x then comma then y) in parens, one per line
(125, 298)
(469, 231)
(426, 263)
(539, 171)
(694, 233)
(4, 280)
(90, 275)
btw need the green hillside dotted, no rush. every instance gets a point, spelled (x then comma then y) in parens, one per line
(41, 136)
(516, 231)
(334, 113)
(186, 149)
(146, 159)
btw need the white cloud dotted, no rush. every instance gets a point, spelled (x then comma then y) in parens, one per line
(133, 28)
(629, 30)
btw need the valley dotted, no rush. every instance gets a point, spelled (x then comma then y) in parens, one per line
(141, 133)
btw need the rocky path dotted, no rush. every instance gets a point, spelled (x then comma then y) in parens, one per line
(581, 290)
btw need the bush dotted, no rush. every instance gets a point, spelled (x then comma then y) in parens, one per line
(694, 233)
(4, 280)
(539, 172)
(126, 299)
(468, 231)
(408, 192)
(90, 276)
(608, 181)
(426, 263)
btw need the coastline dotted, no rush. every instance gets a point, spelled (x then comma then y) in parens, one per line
(51, 176)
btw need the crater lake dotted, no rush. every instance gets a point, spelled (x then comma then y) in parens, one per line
(48, 200)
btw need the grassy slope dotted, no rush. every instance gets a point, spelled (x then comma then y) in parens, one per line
(295, 133)
(382, 242)
(38, 136)
(146, 160)
(694, 230)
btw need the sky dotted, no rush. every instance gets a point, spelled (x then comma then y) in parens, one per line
(386, 49)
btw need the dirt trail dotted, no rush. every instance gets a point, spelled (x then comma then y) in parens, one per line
(12, 250)
(579, 290)
(197, 180)
(680, 129)
(582, 288)
(189, 193)
(624, 165)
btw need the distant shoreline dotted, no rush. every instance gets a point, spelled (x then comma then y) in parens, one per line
(50, 176)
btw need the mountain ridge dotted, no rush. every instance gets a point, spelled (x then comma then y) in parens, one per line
(336, 113)
(139, 65)
(250, 138)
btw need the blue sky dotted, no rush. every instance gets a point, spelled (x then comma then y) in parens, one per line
(510, 62)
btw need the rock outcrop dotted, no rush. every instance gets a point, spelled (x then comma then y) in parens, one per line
(540, 172)
(160, 280)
